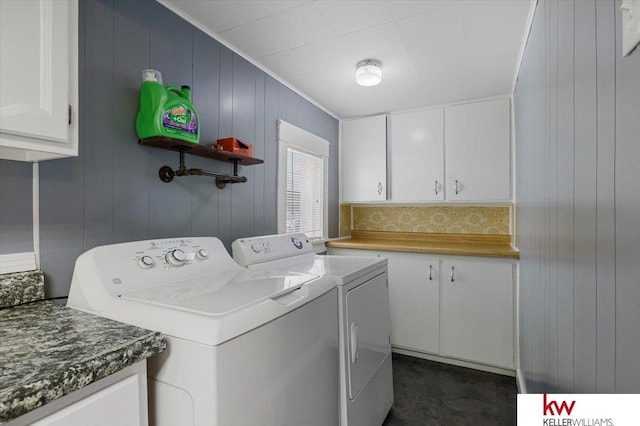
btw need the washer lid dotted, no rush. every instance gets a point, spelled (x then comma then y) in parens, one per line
(222, 293)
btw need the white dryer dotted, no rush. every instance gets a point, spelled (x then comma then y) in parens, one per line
(366, 384)
(244, 347)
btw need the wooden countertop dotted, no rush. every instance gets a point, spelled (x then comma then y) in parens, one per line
(458, 244)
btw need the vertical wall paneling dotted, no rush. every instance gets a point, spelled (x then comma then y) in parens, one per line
(565, 184)
(542, 299)
(585, 196)
(577, 126)
(16, 204)
(171, 52)
(206, 78)
(244, 109)
(271, 115)
(259, 151)
(291, 105)
(535, 305)
(283, 112)
(130, 160)
(225, 130)
(552, 189)
(98, 119)
(111, 192)
(605, 211)
(627, 214)
(305, 113)
(522, 134)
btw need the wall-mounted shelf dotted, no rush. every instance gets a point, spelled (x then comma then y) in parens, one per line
(167, 174)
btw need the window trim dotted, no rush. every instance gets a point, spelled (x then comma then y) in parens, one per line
(290, 136)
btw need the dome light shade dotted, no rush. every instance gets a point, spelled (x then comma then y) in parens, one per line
(368, 72)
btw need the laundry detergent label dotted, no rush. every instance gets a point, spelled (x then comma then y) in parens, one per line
(182, 118)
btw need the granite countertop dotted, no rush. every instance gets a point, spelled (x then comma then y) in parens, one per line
(457, 244)
(48, 351)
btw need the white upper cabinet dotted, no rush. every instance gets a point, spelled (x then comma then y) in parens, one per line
(477, 151)
(38, 79)
(363, 159)
(455, 153)
(417, 156)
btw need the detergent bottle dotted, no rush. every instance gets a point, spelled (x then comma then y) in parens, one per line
(166, 111)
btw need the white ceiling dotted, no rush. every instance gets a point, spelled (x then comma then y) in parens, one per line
(432, 51)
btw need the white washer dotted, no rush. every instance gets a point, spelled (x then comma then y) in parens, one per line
(366, 385)
(244, 347)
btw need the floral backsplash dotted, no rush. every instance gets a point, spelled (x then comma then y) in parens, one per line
(431, 219)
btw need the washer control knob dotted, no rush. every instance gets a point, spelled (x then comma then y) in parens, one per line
(202, 254)
(257, 247)
(175, 257)
(146, 262)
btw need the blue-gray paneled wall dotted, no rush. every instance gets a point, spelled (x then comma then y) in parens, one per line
(577, 124)
(16, 207)
(111, 192)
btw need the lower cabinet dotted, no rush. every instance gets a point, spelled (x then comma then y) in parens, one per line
(118, 399)
(413, 300)
(452, 306)
(476, 310)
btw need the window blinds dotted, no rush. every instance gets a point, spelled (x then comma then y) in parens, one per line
(304, 204)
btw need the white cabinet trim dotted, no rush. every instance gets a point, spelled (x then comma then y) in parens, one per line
(17, 262)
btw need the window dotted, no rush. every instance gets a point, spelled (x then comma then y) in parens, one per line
(302, 182)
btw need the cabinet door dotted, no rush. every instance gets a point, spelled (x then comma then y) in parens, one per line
(476, 310)
(36, 48)
(122, 403)
(417, 156)
(364, 159)
(477, 150)
(414, 301)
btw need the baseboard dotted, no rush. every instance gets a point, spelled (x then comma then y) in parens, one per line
(522, 385)
(457, 362)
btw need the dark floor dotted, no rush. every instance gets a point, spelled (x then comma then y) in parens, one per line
(431, 393)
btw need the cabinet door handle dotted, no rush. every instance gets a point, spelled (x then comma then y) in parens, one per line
(452, 273)
(436, 188)
(430, 272)
(457, 189)
(379, 188)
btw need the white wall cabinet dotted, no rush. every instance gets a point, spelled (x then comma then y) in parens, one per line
(470, 318)
(457, 153)
(38, 79)
(417, 156)
(363, 159)
(477, 151)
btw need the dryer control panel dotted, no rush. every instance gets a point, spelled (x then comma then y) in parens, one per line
(249, 251)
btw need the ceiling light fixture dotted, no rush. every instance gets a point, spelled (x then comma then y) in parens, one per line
(368, 72)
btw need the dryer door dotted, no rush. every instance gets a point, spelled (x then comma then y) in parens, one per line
(368, 330)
